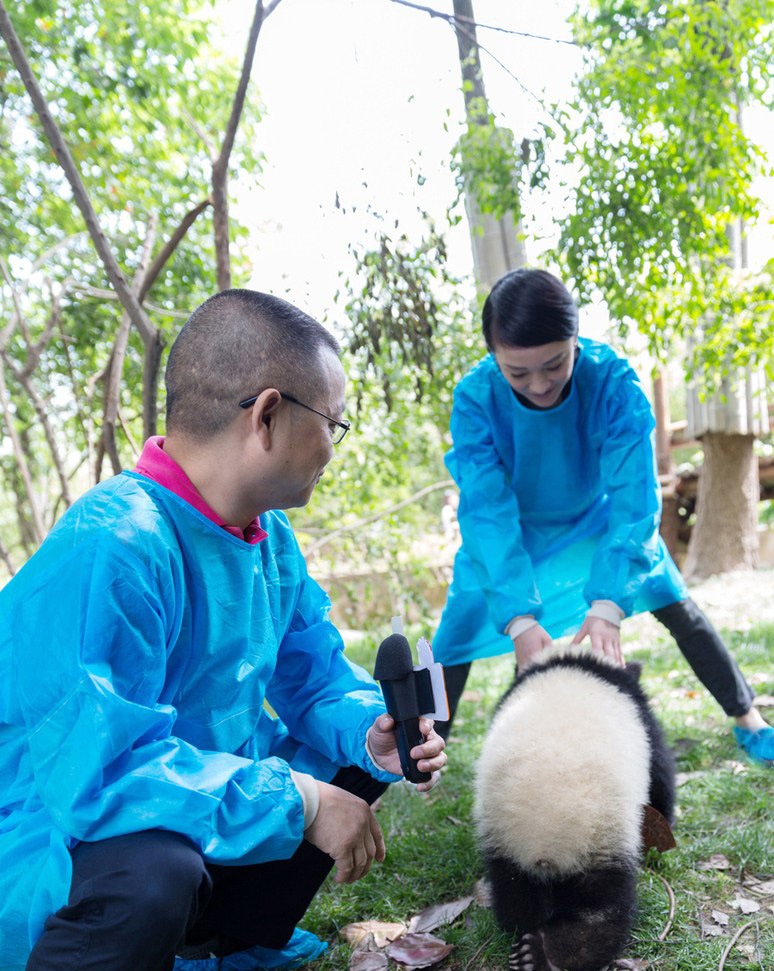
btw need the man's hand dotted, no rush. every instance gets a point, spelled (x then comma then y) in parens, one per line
(530, 643)
(431, 755)
(346, 829)
(605, 638)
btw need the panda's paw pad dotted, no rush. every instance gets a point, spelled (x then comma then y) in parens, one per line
(527, 954)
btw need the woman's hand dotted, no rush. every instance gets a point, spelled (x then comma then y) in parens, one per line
(605, 638)
(530, 643)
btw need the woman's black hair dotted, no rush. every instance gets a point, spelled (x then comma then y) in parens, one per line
(527, 308)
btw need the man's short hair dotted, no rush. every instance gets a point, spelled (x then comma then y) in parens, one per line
(235, 345)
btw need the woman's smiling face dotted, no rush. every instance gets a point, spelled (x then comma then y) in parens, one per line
(540, 373)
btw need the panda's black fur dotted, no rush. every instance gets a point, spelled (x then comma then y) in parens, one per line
(571, 758)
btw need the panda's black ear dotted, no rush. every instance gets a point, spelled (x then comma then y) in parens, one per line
(634, 669)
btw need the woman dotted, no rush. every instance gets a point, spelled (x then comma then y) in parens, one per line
(560, 505)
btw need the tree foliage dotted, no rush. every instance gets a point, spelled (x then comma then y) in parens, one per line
(497, 170)
(665, 171)
(141, 99)
(411, 332)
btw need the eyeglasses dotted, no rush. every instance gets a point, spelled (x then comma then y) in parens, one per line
(342, 427)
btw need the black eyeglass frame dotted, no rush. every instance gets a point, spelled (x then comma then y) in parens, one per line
(344, 425)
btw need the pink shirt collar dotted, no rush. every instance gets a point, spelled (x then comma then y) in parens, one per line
(155, 464)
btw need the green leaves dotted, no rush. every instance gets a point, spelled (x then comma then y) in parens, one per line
(489, 164)
(666, 170)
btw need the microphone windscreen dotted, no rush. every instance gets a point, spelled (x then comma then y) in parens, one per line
(393, 659)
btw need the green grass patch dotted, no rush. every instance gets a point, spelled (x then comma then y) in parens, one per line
(724, 808)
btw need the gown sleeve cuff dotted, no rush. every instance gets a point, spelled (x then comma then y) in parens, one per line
(310, 795)
(607, 610)
(519, 624)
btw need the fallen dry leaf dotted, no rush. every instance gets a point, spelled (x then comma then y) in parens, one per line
(418, 950)
(719, 917)
(764, 701)
(737, 768)
(470, 695)
(629, 964)
(437, 915)
(712, 930)
(750, 950)
(716, 862)
(381, 932)
(656, 831)
(682, 777)
(746, 905)
(454, 821)
(763, 888)
(368, 956)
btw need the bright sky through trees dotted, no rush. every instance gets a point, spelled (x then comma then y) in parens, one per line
(357, 94)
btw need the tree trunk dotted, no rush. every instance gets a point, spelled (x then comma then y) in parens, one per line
(670, 520)
(497, 244)
(725, 535)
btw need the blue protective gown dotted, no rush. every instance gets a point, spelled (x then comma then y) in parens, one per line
(137, 648)
(558, 507)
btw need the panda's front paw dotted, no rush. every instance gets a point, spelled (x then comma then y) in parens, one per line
(528, 954)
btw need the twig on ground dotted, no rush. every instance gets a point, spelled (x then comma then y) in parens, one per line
(487, 941)
(734, 939)
(670, 919)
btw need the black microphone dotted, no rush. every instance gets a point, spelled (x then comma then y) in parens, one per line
(405, 694)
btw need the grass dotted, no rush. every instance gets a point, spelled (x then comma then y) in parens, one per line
(724, 807)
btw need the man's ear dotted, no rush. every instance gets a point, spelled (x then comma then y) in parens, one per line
(263, 415)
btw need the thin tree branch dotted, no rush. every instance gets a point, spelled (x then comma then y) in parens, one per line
(62, 152)
(36, 349)
(671, 916)
(204, 137)
(21, 461)
(53, 249)
(73, 381)
(169, 248)
(314, 547)
(220, 166)
(116, 366)
(5, 557)
(129, 437)
(19, 318)
(151, 367)
(734, 939)
(22, 376)
(101, 294)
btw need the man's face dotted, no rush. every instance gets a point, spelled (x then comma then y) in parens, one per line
(310, 446)
(540, 373)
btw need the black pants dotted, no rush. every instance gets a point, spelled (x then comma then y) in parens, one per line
(701, 645)
(136, 899)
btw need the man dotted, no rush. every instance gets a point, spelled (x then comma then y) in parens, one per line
(150, 805)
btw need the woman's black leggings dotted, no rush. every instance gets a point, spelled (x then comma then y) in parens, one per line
(701, 645)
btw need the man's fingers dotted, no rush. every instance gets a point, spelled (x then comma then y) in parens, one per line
(344, 867)
(362, 863)
(378, 837)
(431, 783)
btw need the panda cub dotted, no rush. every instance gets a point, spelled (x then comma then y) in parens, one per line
(571, 759)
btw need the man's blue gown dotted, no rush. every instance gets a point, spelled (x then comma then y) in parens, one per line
(139, 649)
